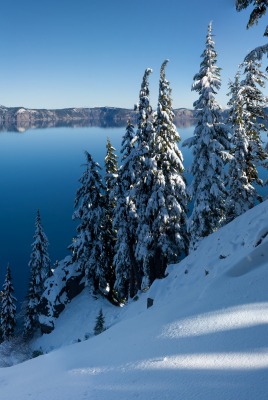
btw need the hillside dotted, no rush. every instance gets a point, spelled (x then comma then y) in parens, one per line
(205, 337)
(21, 118)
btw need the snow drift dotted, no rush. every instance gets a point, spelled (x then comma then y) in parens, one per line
(205, 337)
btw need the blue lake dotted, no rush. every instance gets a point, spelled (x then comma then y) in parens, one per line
(40, 169)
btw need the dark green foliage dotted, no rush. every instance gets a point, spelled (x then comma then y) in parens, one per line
(245, 115)
(99, 326)
(37, 353)
(254, 102)
(8, 308)
(124, 261)
(39, 270)
(87, 246)
(109, 233)
(258, 11)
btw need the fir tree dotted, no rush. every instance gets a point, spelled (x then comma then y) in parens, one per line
(39, 270)
(109, 234)
(128, 270)
(100, 324)
(254, 103)
(124, 215)
(87, 246)
(162, 235)
(142, 167)
(209, 143)
(8, 307)
(241, 194)
(258, 11)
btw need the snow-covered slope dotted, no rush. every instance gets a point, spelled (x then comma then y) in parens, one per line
(205, 337)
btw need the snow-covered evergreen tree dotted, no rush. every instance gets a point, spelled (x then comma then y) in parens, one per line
(100, 323)
(128, 270)
(161, 193)
(39, 270)
(87, 246)
(124, 215)
(209, 143)
(254, 103)
(241, 194)
(8, 307)
(109, 234)
(142, 166)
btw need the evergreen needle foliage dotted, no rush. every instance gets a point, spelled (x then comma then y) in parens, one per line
(109, 233)
(124, 260)
(8, 307)
(39, 270)
(88, 245)
(210, 150)
(100, 323)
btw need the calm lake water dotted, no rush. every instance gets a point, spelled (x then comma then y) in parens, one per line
(40, 169)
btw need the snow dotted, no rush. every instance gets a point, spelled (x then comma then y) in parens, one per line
(21, 111)
(205, 337)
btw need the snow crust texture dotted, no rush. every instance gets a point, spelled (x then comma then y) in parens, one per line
(205, 337)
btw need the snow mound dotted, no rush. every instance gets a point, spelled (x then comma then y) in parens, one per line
(205, 337)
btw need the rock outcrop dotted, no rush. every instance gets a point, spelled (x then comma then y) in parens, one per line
(65, 283)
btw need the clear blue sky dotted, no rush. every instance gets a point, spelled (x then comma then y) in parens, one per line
(86, 53)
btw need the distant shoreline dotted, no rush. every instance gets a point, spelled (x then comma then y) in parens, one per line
(20, 119)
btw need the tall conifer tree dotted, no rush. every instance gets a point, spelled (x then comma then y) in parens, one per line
(210, 143)
(162, 235)
(39, 270)
(109, 234)
(8, 307)
(254, 103)
(142, 166)
(124, 215)
(87, 246)
(241, 194)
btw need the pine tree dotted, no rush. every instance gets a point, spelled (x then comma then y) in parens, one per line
(100, 324)
(124, 214)
(87, 246)
(161, 198)
(39, 270)
(109, 234)
(8, 307)
(209, 143)
(241, 194)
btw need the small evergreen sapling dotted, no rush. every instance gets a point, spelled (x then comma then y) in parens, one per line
(100, 323)
(8, 307)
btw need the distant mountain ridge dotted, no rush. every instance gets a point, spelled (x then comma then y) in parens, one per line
(21, 118)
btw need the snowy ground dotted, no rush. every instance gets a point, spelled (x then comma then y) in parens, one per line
(204, 338)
